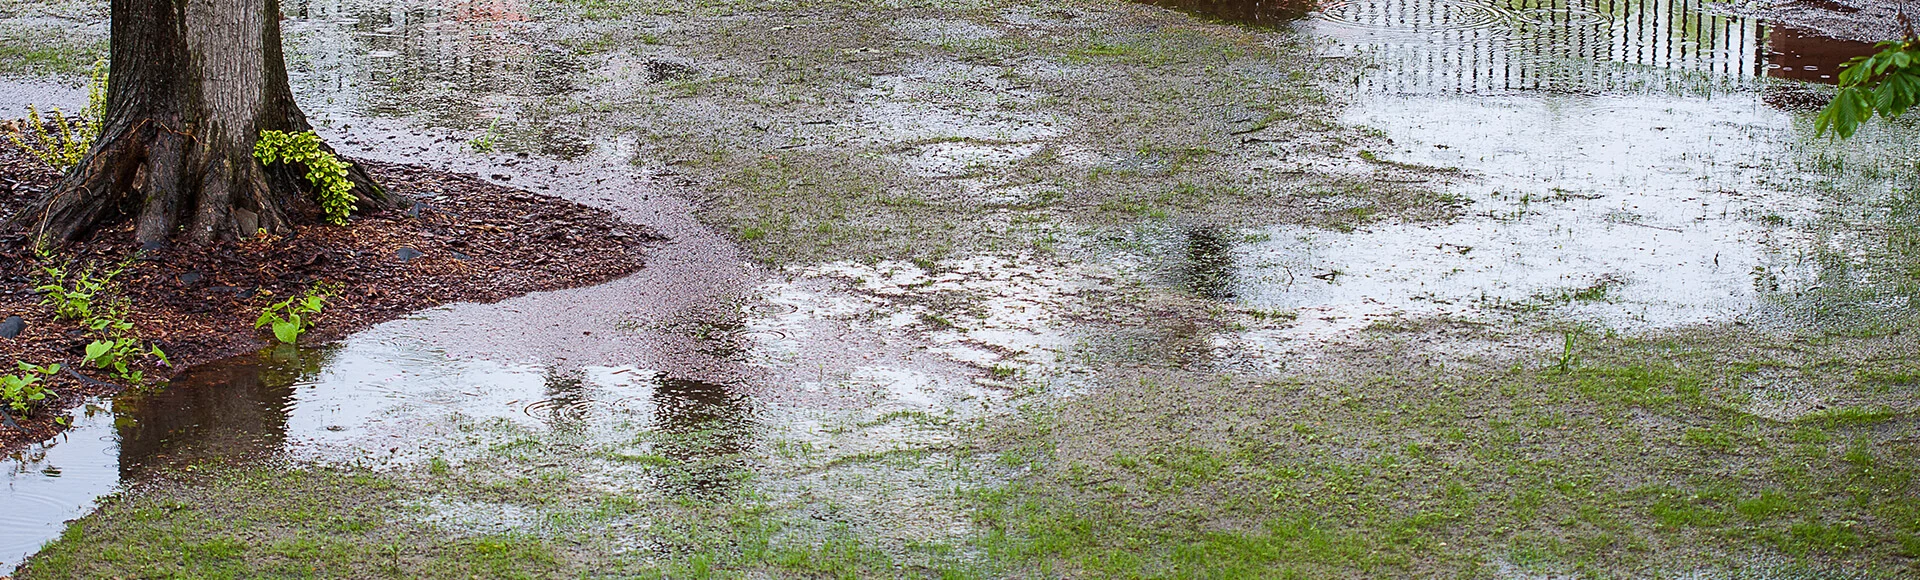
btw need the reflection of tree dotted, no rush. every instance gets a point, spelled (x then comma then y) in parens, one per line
(706, 427)
(449, 64)
(1800, 56)
(226, 410)
(1255, 12)
(490, 11)
(568, 395)
(1208, 270)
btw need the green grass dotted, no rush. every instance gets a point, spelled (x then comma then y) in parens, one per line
(41, 52)
(1632, 460)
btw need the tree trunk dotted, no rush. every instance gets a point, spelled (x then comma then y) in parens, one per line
(192, 84)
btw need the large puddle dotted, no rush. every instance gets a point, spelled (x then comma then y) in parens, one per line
(1637, 163)
(372, 401)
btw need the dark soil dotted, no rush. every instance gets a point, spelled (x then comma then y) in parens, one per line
(466, 240)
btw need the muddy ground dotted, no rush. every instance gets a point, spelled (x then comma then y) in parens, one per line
(1009, 289)
(460, 240)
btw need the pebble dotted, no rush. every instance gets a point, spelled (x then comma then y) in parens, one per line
(407, 254)
(13, 326)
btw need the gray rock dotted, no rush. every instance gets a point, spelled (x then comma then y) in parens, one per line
(12, 327)
(407, 254)
(190, 277)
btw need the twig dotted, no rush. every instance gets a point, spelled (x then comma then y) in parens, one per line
(1650, 226)
(90, 380)
(1907, 21)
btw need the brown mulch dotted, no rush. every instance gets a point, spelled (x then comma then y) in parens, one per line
(476, 242)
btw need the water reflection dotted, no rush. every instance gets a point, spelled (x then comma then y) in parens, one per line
(364, 402)
(458, 64)
(706, 427)
(1270, 13)
(1574, 46)
(224, 411)
(1209, 268)
(57, 480)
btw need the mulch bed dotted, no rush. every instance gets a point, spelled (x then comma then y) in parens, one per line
(467, 241)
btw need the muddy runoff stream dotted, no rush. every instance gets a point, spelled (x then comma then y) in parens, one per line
(779, 393)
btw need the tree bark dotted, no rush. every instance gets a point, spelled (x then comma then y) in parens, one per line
(192, 83)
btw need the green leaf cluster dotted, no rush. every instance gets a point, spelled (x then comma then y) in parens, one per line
(1885, 84)
(23, 391)
(292, 317)
(325, 171)
(86, 294)
(117, 354)
(73, 294)
(64, 144)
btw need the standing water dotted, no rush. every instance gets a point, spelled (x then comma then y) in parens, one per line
(1639, 162)
(1636, 163)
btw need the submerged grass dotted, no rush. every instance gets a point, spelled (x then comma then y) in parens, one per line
(1638, 458)
(844, 129)
(852, 129)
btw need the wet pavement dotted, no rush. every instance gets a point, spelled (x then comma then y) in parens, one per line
(1623, 164)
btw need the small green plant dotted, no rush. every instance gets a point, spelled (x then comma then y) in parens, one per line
(489, 141)
(117, 355)
(1566, 355)
(62, 146)
(22, 392)
(325, 171)
(292, 317)
(1885, 84)
(74, 295)
(87, 295)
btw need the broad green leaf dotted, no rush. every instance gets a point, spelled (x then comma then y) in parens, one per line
(287, 332)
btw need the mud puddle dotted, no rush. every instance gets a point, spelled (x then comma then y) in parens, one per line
(1618, 168)
(370, 401)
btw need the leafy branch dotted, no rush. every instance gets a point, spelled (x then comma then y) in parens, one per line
(66, 143)
(1884, 84)
(325, 171)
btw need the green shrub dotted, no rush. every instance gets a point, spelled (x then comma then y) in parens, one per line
(23, 392)
(325, 171)
(87, 295)
(117, 355)
(66, 143)
(292, 317)
(74, 295)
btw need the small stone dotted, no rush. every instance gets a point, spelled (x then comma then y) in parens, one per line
(461, 257)
(248, 222)
(13, 326)
(190, 277)
(407, 254)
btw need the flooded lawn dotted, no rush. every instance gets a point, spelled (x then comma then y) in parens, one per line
(1084, 289)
